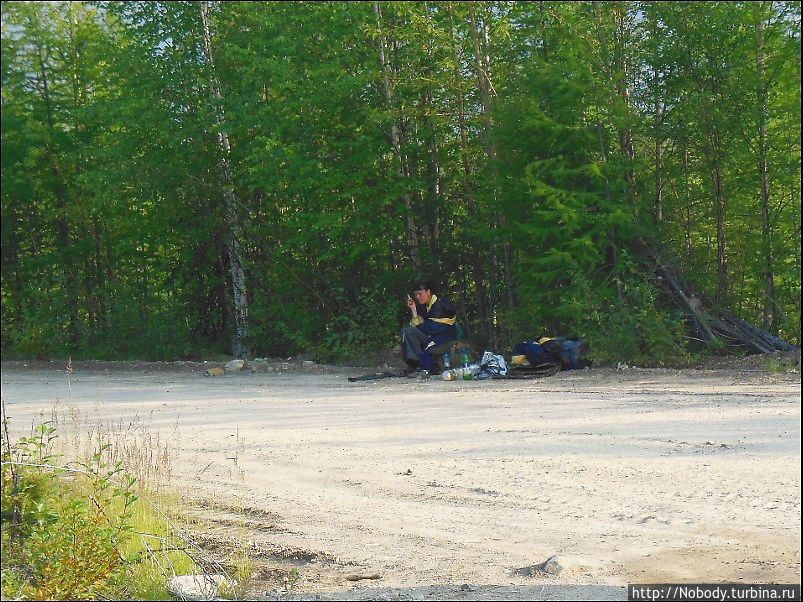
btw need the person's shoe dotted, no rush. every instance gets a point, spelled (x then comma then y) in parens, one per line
(411, 370)
(411, 366)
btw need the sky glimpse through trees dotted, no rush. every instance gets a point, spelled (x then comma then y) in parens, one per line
(181, 179)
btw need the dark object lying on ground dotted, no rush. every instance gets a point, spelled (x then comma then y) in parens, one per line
(569, 353)
(539, 371)
(374, 376)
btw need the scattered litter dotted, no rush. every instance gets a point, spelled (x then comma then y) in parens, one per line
(373, 376)
(491, 366)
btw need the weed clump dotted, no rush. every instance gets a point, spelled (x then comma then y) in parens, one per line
(81, 530)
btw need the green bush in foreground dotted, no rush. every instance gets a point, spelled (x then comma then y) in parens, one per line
(76, 531)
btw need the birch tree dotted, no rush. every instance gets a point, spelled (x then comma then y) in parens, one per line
(236, 271)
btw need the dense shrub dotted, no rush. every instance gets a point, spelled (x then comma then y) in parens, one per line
(70, 531)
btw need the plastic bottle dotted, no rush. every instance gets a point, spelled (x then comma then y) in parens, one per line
(464, 358)
(465, 368)
(446, 363)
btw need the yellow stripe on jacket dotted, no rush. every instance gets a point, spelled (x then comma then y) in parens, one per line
(419, 320)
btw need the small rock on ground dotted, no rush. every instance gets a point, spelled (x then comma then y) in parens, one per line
(197, 587)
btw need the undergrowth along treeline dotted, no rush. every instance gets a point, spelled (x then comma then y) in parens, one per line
(182, 179)
(90, 529)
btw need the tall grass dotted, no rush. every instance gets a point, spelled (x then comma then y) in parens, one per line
(92, 516)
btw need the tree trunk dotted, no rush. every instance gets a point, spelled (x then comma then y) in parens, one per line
(658, 121)
(434, 200)
(98, 270)
(482, 61)
(396, 143)
(659, 180)
(236, 271)
(61, 223)
(687, 222)
(719, 327)
(477, 270)
(434, 173)
(712, 151)
(722, 257)
(611, 251)
(544, 47)
(12, 250)
(614, 59)
(766, 224)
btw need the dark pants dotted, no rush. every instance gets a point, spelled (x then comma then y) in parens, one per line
(414, 341)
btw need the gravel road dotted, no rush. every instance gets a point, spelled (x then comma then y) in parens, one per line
(451, 490)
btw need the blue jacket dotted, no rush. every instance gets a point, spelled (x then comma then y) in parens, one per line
(437, 319)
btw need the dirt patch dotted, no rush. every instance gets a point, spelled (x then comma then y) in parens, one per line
(626, 476)
(778, 361)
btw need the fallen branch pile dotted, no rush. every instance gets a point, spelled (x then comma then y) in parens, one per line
(723, 327)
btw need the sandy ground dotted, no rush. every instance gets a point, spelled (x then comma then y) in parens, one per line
(446, 489)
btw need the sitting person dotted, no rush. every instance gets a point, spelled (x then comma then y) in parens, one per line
(432, 323)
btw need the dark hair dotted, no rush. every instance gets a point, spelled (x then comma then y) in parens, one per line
(422, 285)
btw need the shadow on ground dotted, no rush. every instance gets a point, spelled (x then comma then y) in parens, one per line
(466, 592)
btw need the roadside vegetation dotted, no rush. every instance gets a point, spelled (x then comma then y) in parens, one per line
(101, 527)
(264, 179)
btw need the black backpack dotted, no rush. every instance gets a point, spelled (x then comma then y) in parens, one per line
(568, 352)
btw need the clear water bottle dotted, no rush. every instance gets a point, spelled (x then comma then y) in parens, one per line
(446, 362)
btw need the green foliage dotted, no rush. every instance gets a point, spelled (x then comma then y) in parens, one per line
(367, 326)
(628, 325)
(63, 536)
(773, 365)
(505, 149)
(69, 530)
(622, 321)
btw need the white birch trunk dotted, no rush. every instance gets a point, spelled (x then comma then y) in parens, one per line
(236, 271)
